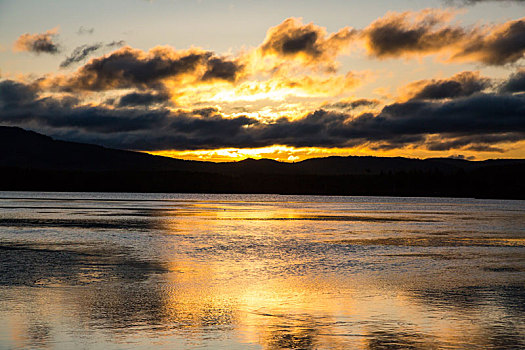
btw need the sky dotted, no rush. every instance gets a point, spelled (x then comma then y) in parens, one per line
(286, 80)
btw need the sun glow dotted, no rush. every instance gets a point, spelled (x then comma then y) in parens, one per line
(294, 154)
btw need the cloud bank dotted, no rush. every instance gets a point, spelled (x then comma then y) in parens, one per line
(476, 121)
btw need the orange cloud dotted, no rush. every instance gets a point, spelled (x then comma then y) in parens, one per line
(133, 68)
(411, 33)
(495, 45)
(308, 43)
(429, 31)
(459, 85)
(38, 43)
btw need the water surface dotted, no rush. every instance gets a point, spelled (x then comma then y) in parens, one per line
(115, 271)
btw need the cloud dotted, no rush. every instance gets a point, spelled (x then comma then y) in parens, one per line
(350, 104)
(496, 45)
(191, 77)
(83, 51)
(143, 99)
(479, 143)
(14, 94)
(406, 124)
(429, 31)
(461, 156)
(80, 53)
(306, 42)
(515, 83)
(83, 30)
(411, 33)
(221, 69)
(476, 122)
(406, 34)
(133, 68)
(295, 60)
(38, 43)
(459, 85)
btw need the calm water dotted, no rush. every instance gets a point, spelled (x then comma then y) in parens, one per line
(183, 271)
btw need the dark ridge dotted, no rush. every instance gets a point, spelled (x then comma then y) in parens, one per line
(28, 149)
(31, 161)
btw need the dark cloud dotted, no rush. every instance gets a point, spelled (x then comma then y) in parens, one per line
(222, 69)
(82, 52)
(130, 128)
(352, 104)
(14, 94)
(460, 85)
(515, 83)
(115, 43)
(477, 114)
(79, 54)
(405, 34)
(479, 143)
(133, 68)
(460, 156)
(477, 122)
(429, 32)
(399, 34)
(295, 42)
(143, 99)
(128, 68)
(500, 45)
(484, 148)
(291, 38)
(38, 43)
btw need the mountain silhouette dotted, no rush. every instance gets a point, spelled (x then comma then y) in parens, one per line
(32, 161)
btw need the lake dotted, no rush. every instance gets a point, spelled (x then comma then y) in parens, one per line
(192, 271)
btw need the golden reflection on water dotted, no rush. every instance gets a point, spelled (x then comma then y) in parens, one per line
(300, 275)
(309, 313)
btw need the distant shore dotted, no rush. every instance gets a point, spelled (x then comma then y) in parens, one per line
(481, 184)
(35, 162)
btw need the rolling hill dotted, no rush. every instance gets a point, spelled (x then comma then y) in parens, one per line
(32, 161)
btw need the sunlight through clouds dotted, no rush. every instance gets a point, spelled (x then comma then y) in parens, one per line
(295, 90)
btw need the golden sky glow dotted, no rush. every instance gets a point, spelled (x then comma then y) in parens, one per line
(291, 154)
(426, 82)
